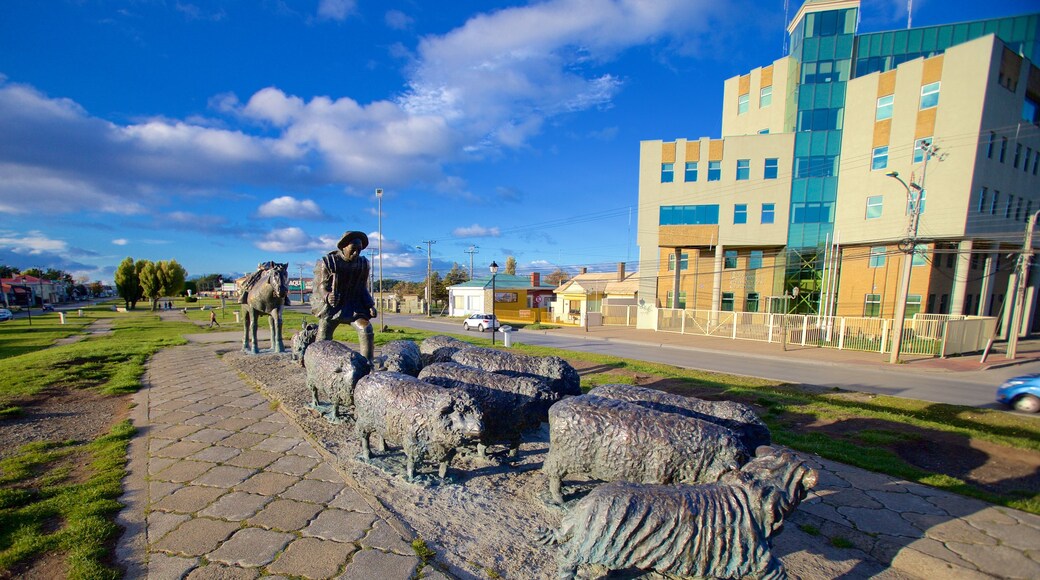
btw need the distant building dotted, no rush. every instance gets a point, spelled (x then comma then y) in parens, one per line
(796, 192)
(516, 298)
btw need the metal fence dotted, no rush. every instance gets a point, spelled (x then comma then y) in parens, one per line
(924, 334)
(619, 315)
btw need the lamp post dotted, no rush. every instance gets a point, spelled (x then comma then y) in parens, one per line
(1020, 287)
(429, 276)
(28, 300)
(220, 283)
(494, 319)
(379, 225)
(908, 246)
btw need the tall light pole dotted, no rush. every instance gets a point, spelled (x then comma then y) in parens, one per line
(472, 250)
(379, 222)
(429, 275)
(907, 246)
(1020, 287)
(28, 300)
(494, 319)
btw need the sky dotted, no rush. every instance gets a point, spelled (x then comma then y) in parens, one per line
(226, 133)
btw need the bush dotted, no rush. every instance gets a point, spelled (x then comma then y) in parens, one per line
(191, 299)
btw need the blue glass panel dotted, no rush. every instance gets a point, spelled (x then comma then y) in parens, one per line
(834, 139)
(814, 190)
(844, 46)
(899, 42)
(801, 144)
(886, 42)
(945, 37)
(810, 49)
(826, 51)
(798, 190)
(929, 39)
(913, 40)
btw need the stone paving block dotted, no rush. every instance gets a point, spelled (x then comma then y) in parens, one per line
(157, 443)
(160, 489)
(1010, 562)
(183, 471)
(224, 476)
(923, 565)
(189, 499)
(278, 444)
(313, 558)
(340, 525)
(852, 498)
(176, 431)
(263, 428)
(224, 412)
(202, 407)
(431, 574)
(232, 424)
(202, 420)
(905, 502)
(384, 537)
(265, 483)
(293, 465)
(314, 491)
(324, 472)
(243, 440)
(247, 401)
(285, 514)
(254, 458)
(170, 405)
(209, 435)
(251, 547)
(196, 537)
(278, 417)
(258, 413)
(216, 454)
(289, 431)
(164, 567)
(178, 417)
(368, 564)
(180, 449)
(236, 506)
(160, 523)
(945, 529)
(349, 500)
(306, 450)
(876, 521)
(222, 572)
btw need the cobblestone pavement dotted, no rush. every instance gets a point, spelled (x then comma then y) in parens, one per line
(222, 485)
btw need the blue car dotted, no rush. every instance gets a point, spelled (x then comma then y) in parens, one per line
(1022, 393)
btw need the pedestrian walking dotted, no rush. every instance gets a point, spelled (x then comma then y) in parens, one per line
(213, 318)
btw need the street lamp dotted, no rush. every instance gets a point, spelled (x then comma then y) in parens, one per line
(220, 283)
(379, 218)
(907, 246)
(494, 319)
(28, 300)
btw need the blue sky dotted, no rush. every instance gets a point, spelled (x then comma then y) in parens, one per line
(226, 133)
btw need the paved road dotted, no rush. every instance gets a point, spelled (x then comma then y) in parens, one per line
(823, 367)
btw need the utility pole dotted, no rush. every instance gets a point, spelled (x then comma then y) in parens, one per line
(472, 250)
(1020, 287)
(908, 246)
(302, 284)
(429, 275)
(379, 218)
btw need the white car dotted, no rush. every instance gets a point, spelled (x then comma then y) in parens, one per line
(5, 315)
(481, 322)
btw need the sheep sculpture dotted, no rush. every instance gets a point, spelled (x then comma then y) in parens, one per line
(301, 340)
(399, 356)
(333, 370)
(737, 417)
(427, 421)
(613, 440)
(440, 348)
(561, 376)
(713, 530)
(510, 405)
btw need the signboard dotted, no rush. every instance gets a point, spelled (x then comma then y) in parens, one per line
(228, 287)
(505, 296)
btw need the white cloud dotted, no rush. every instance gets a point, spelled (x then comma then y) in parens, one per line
(31, 243)
(335, 9)
(475, 231)
(398, 20)
(120, 241)
(290, 240)
(290, 207)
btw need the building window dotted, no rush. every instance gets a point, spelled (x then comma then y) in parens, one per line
(919, 259)
(684, 261)
(763, 131)
(993, 204)
(930, 95)
(689, 215)
(691, 171)
(714, 170)
(951, 260)
(877, 257)
(1003, 148)
(740, 213)
(771, 169)
(1029, 155)
(1029, 210)
(727, 302)
(682, 300)
(1030, 111)
(729, 260)
(920, 198)
(974, 261)
(1007, 208)
(1018, 155)
(884, 108)
(919, 147)
(913, 305)
(743, 169)
(667, 172)
(751, 304)
(755, 260)
(1036, 161)
(989, 147)
(765, 97)
(872, 305)
(879, 158)
(768, 213)
(742, 104)
(874, 206)
(983, 194)
(1018, 209)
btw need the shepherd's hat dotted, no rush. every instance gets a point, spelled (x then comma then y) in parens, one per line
(350, 237)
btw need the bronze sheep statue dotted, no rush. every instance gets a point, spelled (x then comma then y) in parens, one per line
(333, 369)
(562, 377)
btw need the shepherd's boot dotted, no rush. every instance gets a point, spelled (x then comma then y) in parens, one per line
(366, 339)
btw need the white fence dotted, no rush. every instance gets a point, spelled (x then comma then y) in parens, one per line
(924, 334)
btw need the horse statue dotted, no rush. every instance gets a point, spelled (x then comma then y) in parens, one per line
(264, 293)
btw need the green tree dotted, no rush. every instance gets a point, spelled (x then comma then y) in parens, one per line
(162, 278)
(559, 276)
(128, 282)
(151, 284)
(96, 288)
(174, 275)
(457, 275)
(8, 271)
(511, 266)
(439, 290)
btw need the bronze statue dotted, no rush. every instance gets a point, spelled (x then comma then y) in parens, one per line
(341, 292)
(266, 297)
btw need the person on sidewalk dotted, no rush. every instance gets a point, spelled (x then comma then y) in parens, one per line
(341, 292)
(213, 318)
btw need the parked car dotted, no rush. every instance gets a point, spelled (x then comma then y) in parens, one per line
(481, 322)
(48, 308)
(5, 315)
(1021, 393)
